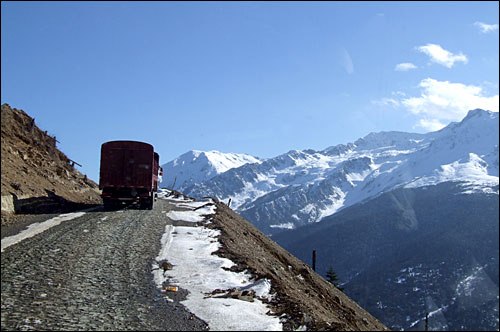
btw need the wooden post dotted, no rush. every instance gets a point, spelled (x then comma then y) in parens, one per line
(427, 321)
(314, 260)
(73, 163)
(229, 202)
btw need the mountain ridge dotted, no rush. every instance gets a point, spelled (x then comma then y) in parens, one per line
(203, 165)
(299, 187)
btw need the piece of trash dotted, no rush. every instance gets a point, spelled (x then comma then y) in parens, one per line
(171, 288)
(166, 265)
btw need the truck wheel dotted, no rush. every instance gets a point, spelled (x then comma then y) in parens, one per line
(147, 204)
(108, 204)
(151, 202)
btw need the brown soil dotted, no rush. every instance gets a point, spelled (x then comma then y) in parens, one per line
(303, 297)
(36, 176)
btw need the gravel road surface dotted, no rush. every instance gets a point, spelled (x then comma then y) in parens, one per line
(91, 273)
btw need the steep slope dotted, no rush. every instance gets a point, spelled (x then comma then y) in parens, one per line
(36, 176)
(300, 187)
(198, 166)
(303, 298)
(413, 251)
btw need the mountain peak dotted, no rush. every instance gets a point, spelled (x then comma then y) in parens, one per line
(477, 120)
(197, 166)
(479, 112)
(384, 139)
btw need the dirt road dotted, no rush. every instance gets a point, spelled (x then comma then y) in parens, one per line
(91, 273)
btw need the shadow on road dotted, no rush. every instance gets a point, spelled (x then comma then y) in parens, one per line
(51, 203)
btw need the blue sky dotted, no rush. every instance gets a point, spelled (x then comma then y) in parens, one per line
(260, 78)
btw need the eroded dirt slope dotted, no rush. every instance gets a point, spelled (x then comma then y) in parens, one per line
(302, 295)
(36, 176)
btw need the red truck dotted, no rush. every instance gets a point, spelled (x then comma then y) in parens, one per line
(129, 173)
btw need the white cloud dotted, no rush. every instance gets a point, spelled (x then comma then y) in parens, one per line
(442, 56)
(431, 124)
(485, 28)
(405, 66)
(345, 60)
(398, 93)
(386, 102)
(442, 102)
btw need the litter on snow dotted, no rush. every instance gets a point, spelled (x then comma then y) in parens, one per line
(225, 300)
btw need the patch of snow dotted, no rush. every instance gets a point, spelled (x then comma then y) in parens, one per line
(199, 210)
(177, 199)
(163, 192)
(308, 209)
(400, 280)
(466, 286)
(472, 170)
(225, 161)
(337, 202)
(200, 272)
(262, 289)
(287, 225)
(36, 228)
(190, 216)
(193, 205)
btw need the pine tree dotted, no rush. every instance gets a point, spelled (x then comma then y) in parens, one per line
(331, 276)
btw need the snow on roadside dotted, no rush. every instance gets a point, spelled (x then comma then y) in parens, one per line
(185, 216)
(192, 215)
(36, 228)
(189, 250)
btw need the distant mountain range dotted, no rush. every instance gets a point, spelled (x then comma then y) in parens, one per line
(300, 187)
(199, 166)
(408, 221)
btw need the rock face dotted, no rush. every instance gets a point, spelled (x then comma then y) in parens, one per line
(36, 176)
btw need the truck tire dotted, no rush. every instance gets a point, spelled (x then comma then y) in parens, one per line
(147, 204)
(108, 204)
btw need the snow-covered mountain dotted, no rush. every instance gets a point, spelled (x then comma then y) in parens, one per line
(300, 187)
(198, 166)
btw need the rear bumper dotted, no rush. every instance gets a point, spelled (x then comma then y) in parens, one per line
(126, 194)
